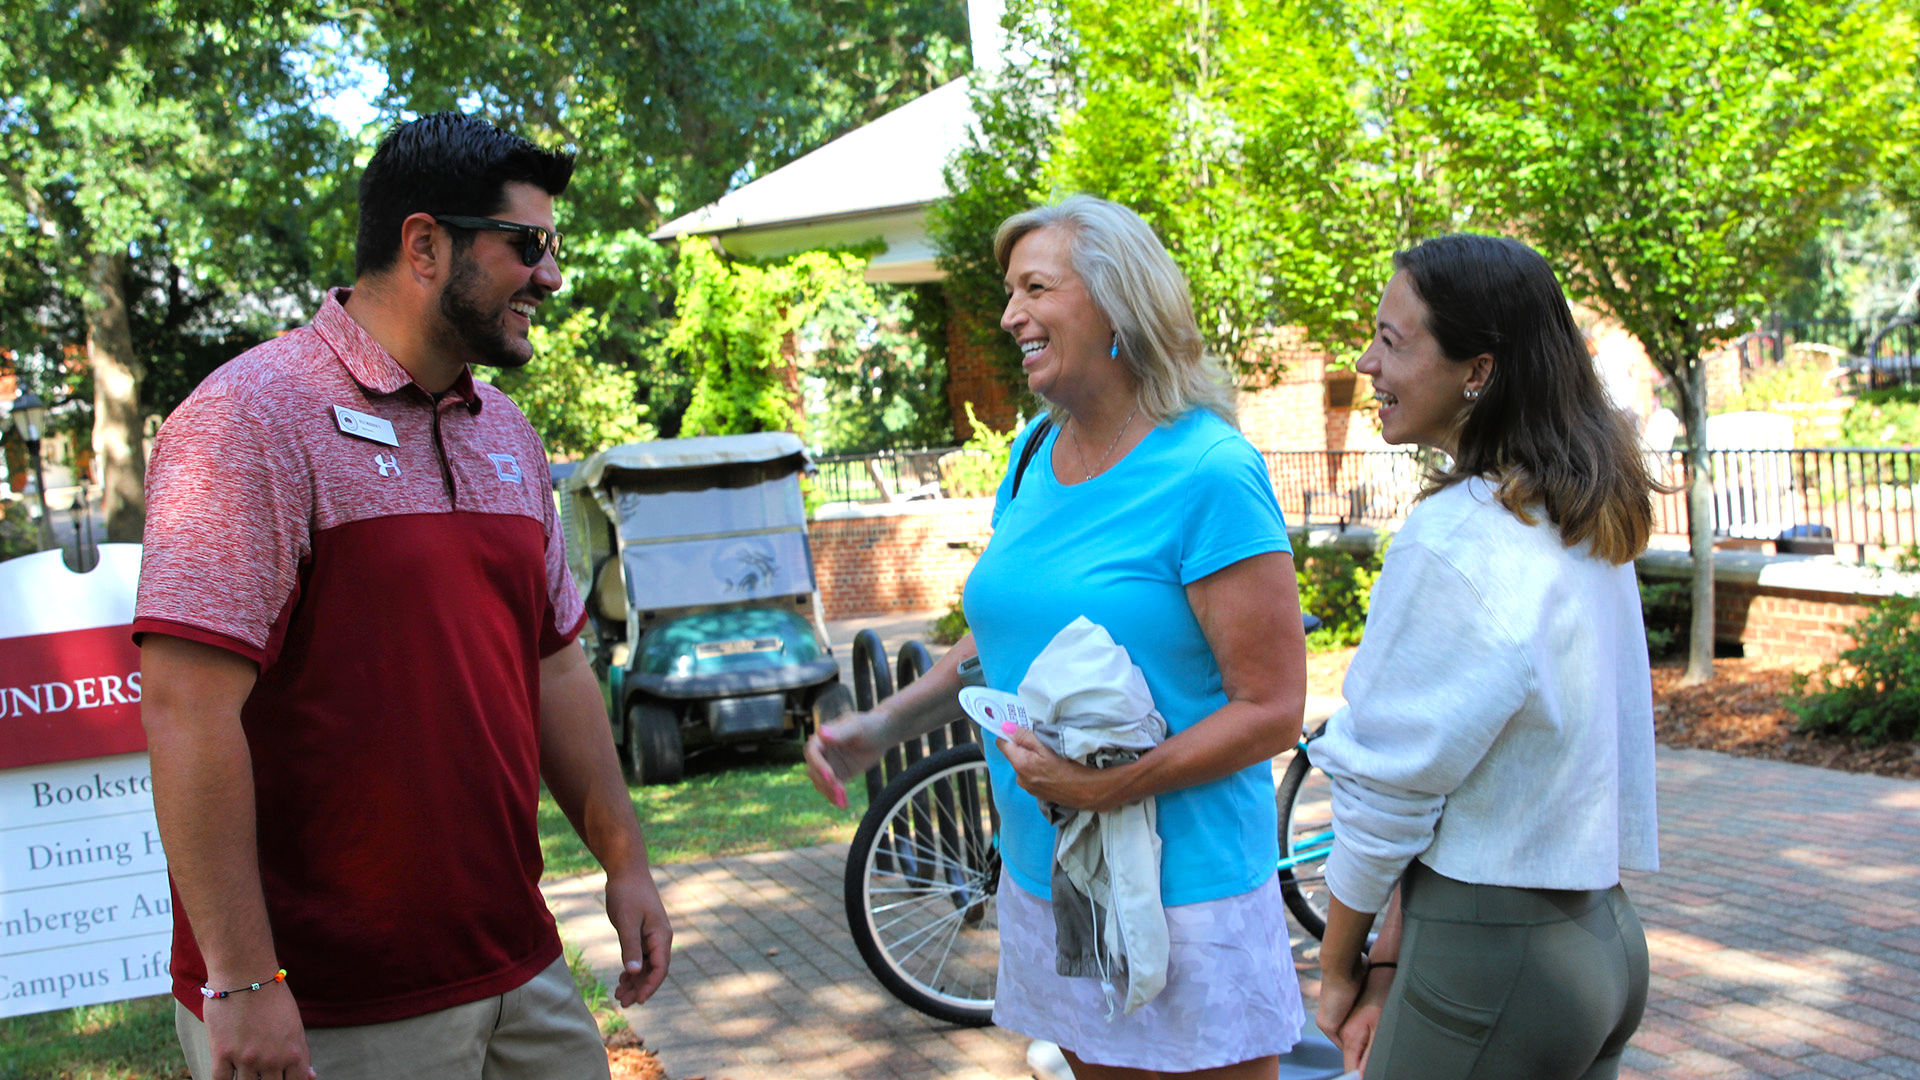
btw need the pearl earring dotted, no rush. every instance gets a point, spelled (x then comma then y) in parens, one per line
(1472, 393)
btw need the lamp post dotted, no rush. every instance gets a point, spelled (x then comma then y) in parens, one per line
(30, 423)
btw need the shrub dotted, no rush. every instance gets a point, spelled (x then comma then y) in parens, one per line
(949, 627)
(1335, 586)
(975, 470)
(1873, 690)
(1882, 418)
(1667, 609)
(1801, 379)
(18, 535)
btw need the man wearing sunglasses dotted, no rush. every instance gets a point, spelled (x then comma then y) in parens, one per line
(358, 661)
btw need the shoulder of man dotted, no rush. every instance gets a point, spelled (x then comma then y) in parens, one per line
(270, 372)
(497, 406)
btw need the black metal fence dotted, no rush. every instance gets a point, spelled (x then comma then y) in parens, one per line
(1878, 353)
(881, 476)
(1345, 487)
(1858, 500)
(1862, 499)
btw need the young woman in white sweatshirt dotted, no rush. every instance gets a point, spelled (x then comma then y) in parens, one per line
(1495, 758)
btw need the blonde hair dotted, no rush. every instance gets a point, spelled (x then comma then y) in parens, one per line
(1136, 286)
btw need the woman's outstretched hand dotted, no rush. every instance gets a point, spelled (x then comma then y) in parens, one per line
(842, 750)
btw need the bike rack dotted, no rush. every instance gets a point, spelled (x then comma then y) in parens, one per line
(874, 682)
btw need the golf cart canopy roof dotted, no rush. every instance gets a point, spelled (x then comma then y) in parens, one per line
(703, 452)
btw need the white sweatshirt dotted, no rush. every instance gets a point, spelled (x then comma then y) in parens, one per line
(1499, 718)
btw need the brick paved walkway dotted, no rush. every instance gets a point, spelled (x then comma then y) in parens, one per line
(1784, 927)
(1784, 924)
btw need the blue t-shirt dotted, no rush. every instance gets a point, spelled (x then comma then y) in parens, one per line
(1192, 498)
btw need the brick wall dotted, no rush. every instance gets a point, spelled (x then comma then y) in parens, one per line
(1799, 629)
(915, 557)
(904, 561)
(1793, 611)
(971, 377)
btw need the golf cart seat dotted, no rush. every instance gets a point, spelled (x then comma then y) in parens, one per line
(610, 593)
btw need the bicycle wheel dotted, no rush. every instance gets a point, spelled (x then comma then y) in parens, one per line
(919, 887)
(1306, 835)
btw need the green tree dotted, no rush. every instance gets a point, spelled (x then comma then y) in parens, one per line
(1673, 156)
(160, 165)
(1279, 147)
(669, 106)
(735, 324)
(998, 173)
(576, 403)
(873, 365)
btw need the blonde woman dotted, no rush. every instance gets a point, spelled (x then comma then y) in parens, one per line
(1145, 510)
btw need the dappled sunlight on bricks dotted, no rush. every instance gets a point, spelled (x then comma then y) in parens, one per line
(1778, 924)
(1784, 931)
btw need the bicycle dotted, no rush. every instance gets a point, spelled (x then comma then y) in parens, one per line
(920, 883)
(924, 864)
(1305, 800)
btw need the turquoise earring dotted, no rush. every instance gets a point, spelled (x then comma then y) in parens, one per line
(1115, 351)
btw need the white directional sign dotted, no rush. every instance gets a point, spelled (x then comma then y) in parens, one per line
(85, 910)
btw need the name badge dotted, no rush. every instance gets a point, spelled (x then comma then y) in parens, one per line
(366, 427)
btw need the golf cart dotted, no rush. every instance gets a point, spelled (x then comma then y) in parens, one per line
(703, 622)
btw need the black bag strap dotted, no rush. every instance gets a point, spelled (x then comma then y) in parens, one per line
(1026, 452)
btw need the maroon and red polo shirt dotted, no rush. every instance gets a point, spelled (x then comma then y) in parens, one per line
(394, 565)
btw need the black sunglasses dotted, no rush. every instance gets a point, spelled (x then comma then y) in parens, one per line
(536, 240)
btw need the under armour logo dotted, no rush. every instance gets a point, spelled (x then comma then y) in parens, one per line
(389, 466)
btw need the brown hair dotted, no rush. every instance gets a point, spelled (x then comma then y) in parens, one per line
(1543, 429)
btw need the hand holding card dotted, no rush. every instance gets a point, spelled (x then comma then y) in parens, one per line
(994, 709)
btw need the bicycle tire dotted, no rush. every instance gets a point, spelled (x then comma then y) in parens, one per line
(919, 889)
(1306, 831)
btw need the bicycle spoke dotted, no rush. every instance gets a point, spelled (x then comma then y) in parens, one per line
(921, 898)
(951, 916)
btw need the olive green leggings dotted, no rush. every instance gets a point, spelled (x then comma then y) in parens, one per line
(1499, 983)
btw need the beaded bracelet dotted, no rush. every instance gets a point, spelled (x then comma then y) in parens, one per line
(209, 993)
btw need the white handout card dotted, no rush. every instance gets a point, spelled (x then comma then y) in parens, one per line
(992, 709)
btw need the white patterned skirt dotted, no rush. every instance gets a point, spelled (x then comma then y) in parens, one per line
(1231, 994)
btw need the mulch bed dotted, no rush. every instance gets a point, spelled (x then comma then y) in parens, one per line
(627, 1059)
(1738, 712)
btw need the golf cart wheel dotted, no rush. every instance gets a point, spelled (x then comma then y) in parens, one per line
(650, 750)
(831, 703)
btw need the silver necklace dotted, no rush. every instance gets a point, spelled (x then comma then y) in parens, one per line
(1077, 449)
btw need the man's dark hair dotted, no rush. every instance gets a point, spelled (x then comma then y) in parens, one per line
(447, 163)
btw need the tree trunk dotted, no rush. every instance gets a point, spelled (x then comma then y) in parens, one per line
(119, 430)
(1693, 401)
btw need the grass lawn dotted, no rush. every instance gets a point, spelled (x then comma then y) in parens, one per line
(123, 1040)
(729, 804)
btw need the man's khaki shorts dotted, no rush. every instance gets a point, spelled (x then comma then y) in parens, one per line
(538, 1031)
